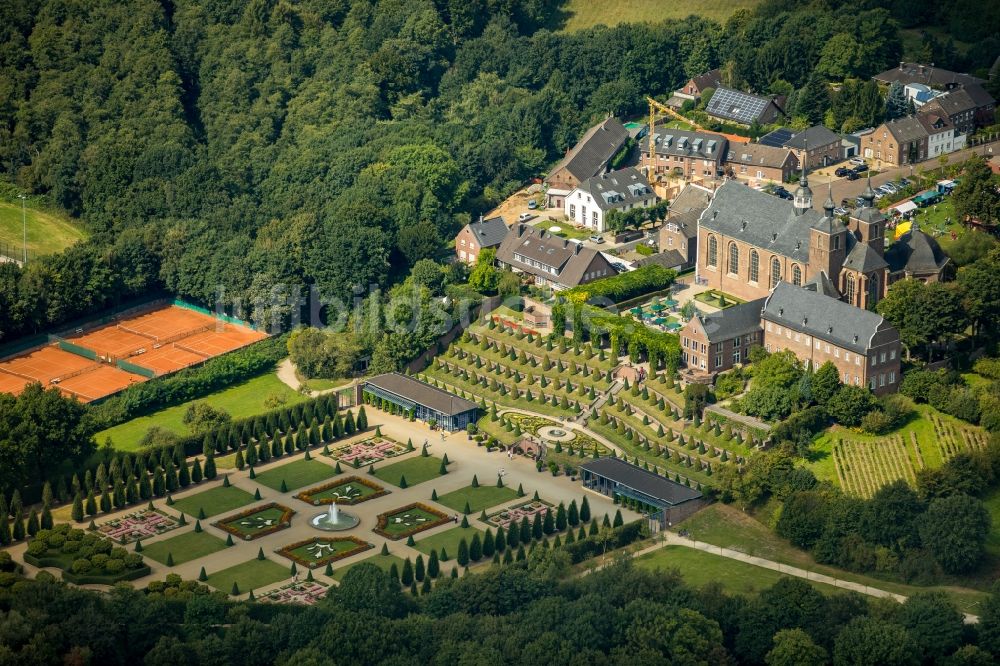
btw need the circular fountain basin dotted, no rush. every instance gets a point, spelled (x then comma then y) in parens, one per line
(344, 521)
(555, 434)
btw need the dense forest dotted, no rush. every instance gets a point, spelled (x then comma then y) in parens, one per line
(242, 151)
(523, 613)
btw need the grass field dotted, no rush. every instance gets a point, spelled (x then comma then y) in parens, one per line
(699, 568)
(295, 474)
(726, 526)
(582, 14)
(47, 232)
(250, 575)
(184, 547)
(246, 399)
(383, 562)
(448, 540)
(480, 498)
(416, 470)
(213, 501)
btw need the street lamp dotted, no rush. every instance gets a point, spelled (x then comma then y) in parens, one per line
(24, 229)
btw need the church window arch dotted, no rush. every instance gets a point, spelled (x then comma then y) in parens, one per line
(796, 275)
(734, 258)
(775, 272)
(849, 288)
(713, 251)
(754, 266)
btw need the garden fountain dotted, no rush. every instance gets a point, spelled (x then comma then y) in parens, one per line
(334, 520)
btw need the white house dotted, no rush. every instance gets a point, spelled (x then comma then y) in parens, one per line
(942, 138)
(589, 203)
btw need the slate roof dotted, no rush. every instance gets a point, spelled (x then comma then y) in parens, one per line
(422, 393)
(489, 232)
(732, 321)
(864, 259)
(755, 154)
(822, 284)
(743, 107)
(816, 136)
(689, 143)
(979, 95)
(935, 124)
(687, 207)
(906, 129)
(618, 189)
(592, 152)
(917, 253)
(667, 259)
(570, 259)
(760, 219)
(822, 317)
(955, 102)
(642, 480)
(710, 79)
(911, 72)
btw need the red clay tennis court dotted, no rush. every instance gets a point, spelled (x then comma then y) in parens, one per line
(156, 342)
(99, 382)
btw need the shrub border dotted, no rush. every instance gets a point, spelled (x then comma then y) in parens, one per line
(306, 495)
(383, 519)
(284, 523)
(85, 579)
(286, 551)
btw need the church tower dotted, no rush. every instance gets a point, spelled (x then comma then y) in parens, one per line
(803, 195)
(867, 223)
(827, 243)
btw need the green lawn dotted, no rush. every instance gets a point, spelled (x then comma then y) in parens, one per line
(296, 474)
(448, 540)
(213, 501)
(483, 497)
(699, 568)
(250, 575)
(248, 398)
(582, 14)
(416, 470)
(712, 298)
(47, 232)
(726, 526)
(184, 547)
(383, 562)
(566, 229)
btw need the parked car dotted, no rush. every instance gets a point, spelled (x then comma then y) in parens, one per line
(840, 211)
(852, 175)
(861, 168)
(903, 182)
(856, 160)
(532, 204)
(860, 201)
(524, 217)
(890, 187)
(847, 203)
(597, 239)
(783, 193)
(841, 172)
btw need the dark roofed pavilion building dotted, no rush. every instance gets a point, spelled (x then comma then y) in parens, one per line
(916, 255)
(663, 499)
(425, 402)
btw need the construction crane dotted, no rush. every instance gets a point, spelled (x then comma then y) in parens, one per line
(663, 108)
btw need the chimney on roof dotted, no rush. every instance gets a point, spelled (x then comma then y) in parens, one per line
(805, 320)
(520, 230)
(576, 250)
(565, 243)
(829, 329)
(901, 63)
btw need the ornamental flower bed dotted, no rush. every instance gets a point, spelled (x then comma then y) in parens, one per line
(513, 514)
(303, 592)
(368, 451)
(258, 521)
(409, 520)
(137, 525)
(352, 490)
(320, 551)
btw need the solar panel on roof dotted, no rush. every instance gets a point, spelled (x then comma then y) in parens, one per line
(739, 106)
(777, 138)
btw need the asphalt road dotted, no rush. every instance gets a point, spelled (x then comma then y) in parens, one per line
(849, 189)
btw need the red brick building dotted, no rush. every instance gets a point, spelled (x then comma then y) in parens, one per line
(713, 343)
(478, 236)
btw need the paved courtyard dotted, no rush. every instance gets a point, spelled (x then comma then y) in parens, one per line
(466, 460)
